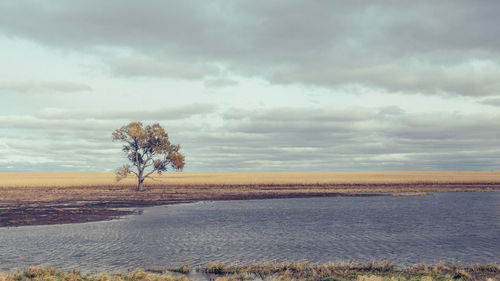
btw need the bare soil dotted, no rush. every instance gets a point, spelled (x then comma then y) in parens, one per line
(19, 214)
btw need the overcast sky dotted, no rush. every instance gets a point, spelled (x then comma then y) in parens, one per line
(253, 85)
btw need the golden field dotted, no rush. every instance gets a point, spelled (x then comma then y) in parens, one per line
(71, 179)
(58, 187)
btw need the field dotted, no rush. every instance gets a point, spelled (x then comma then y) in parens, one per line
(57, 187)
(70, 179)
(46, 198)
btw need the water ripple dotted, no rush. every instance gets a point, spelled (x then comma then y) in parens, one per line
(447, 226)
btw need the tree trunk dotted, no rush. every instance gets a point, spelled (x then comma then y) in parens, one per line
(139, 185)
(140, 178)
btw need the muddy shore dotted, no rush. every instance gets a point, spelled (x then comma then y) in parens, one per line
(21, 206)
(48, 213)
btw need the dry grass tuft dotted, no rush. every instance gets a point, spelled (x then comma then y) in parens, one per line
(50, 274)
(183, 269)
(342, 271)
(287, 271)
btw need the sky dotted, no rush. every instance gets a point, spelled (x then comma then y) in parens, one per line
(255, 85)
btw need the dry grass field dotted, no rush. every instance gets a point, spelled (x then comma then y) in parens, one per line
(57, 187)
(70, 179)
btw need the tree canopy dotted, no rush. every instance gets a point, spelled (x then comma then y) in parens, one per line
(148, 149)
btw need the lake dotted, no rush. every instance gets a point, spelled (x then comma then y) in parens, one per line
(453, 227)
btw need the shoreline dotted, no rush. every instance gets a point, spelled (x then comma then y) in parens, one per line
(51, 213)
(26, 213)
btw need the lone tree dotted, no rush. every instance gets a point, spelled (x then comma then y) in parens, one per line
(148, 149)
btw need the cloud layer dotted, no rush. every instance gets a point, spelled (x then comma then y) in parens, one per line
(450, 47)
(42, 87)
(253, 85)
(322, 138)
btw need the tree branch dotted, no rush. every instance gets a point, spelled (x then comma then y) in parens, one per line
(150, 157)
(148, 174)
(136, 151)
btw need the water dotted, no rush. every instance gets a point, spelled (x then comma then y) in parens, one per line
(453, 227)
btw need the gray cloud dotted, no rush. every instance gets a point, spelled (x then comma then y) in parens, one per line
(220, 83)
(279, 138)
(490, 101)
(450, 47)
(143, 66)
(172, 113)
(62, 155)
(369, 139)
(42, 87)
(79, 140)
(34, 123)
(406, 76)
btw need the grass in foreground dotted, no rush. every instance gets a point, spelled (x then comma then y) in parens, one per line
(61, 187)
(290, 271)
(342, 271)
(51, 274)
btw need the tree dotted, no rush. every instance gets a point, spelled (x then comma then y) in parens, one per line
(148, 149)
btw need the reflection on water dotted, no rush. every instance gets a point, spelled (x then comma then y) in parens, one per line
(461, 227)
